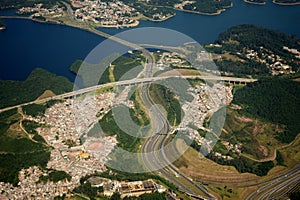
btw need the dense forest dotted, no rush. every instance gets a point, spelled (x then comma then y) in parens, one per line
(18, 151)
(165, 97)
(275, 100)
(254, 36)
(17, 92)
(148, 8)
(208, 6)
(237, 39)
(20, 3)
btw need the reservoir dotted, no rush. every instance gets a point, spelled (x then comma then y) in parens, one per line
(25, 44)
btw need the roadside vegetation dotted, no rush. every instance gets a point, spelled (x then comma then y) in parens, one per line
(167, 99)
(38, 109)
(138, 114)
(18, 92)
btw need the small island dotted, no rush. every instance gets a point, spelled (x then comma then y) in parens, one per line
(256, 2)
(287, 2)
(278, 2)
(2, 25)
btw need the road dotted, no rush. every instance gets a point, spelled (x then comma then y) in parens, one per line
(157, 161)
(125, 82)
(277, 186)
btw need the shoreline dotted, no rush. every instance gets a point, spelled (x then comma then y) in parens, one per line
(255, 3)
(286, 4)
(156, 20)
(134, 24)
(218, 12)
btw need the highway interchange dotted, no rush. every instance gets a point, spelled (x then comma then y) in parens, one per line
(273, 188)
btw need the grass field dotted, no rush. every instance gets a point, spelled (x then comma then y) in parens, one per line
(209, 172)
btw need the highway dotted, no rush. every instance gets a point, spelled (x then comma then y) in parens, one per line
(124, 83)
(153, 155)
(277, 186)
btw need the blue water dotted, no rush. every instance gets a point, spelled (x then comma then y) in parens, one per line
(205, 29)
(26, 45)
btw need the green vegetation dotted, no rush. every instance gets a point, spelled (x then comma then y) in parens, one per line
(225, 192)
(20, 3)
(124, 64)
(166, 98)
(34, 110)
(17, 92)
(208, 6)
(151, 9)
(236, 40)
(17, 151)
(30, 127)
(12, 163)
(275, 100)
(243, 164)
(269, 117)
(164, 7)
(38, 109)
(90, 73)
(279, 158)
(125, 141)
(86, 189)
(138, 115)
(70, 143)
(55, 176)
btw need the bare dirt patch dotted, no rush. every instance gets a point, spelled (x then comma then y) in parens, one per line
(243, 119)
(46, 94)
(181, 72)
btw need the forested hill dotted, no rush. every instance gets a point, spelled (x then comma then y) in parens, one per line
(254, 50)
(254, 37)
(17, 92)
(20, 3)
(276, 100)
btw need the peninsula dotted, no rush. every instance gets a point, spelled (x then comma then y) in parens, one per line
(2, 25)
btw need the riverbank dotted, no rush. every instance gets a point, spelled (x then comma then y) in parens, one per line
(134, 24)
(203, 13)
(143, 17)
(255, 3)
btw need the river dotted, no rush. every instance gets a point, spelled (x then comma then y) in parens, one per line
(25, 44)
